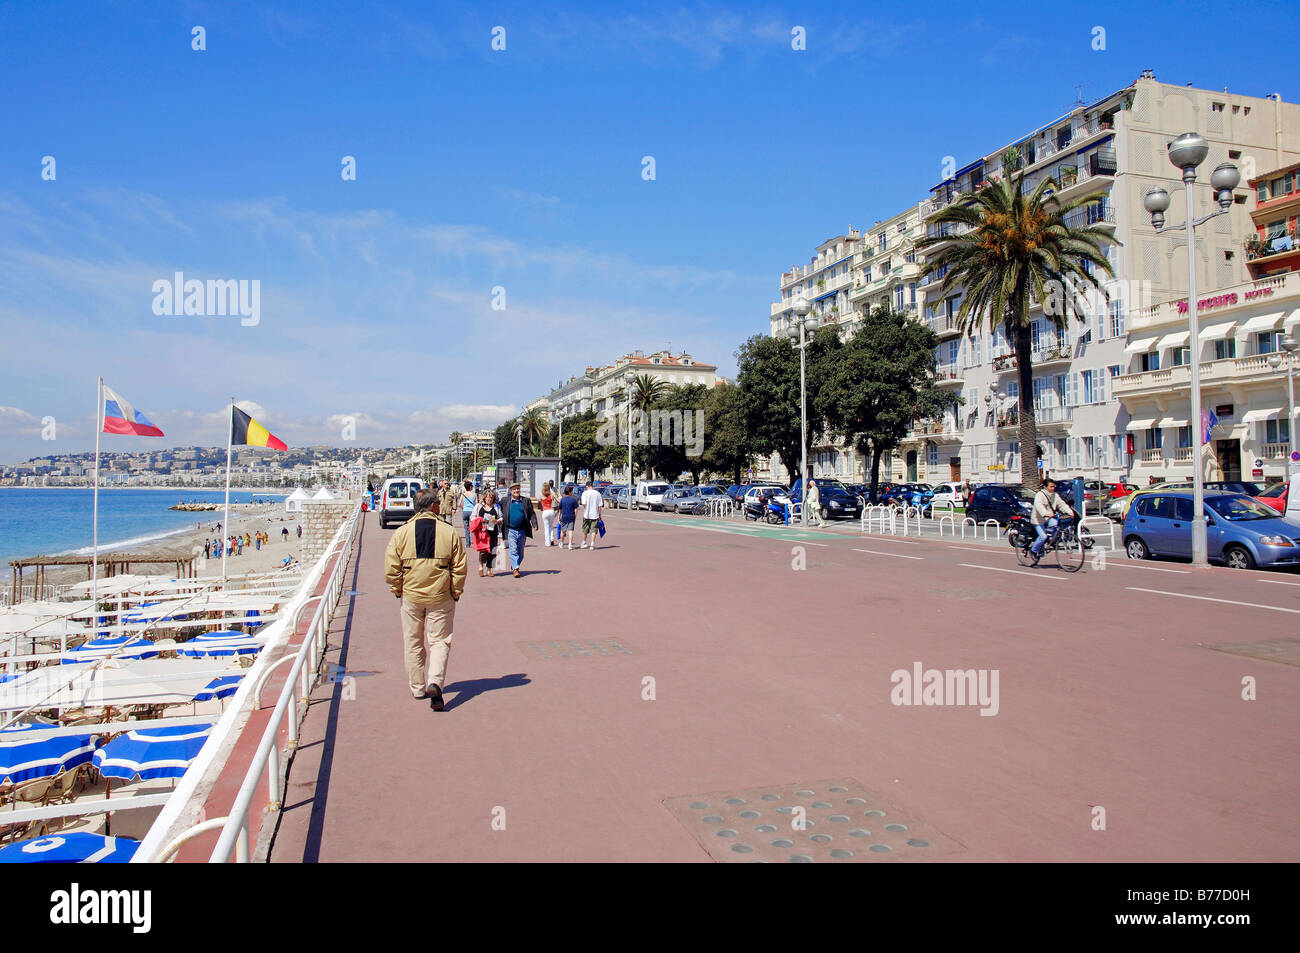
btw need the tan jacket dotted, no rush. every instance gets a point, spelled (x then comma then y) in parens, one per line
(425, 561)
(448, 503)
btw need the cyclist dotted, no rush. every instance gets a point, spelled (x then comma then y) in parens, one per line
(1046, 505)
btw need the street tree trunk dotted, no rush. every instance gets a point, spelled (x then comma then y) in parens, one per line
(1028, 425)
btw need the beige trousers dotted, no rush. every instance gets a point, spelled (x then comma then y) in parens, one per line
(427, 633)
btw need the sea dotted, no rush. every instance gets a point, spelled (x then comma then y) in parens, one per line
(37, 521)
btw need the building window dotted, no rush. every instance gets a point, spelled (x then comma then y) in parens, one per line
(1261, 192)
(1117, 319)
(1269, 341)
(882, 240)
(1277, 431)
(1155, 438)
(1182, 355)
(1184, 437)
(1224, 349)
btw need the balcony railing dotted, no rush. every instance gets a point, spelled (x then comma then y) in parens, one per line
(1153, 455)
(1102, 214)
(1182, 455)
(1265, 248)
(1276, 451)
(943, 323)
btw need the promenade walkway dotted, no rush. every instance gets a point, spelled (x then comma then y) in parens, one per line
(769, 659)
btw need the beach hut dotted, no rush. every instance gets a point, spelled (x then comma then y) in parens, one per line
(293, 503)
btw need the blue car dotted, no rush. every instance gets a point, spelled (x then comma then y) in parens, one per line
(1240, 532)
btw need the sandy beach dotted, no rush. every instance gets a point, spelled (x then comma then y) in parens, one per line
(268, 517)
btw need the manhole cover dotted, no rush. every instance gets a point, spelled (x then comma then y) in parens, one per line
(757, 824)
(575, 648)
(1286, 651)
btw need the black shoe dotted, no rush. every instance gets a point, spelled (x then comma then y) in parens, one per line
(435, 699)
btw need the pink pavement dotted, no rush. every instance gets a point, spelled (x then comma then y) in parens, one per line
(766, 674)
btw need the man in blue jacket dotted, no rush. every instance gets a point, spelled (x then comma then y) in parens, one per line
(520, 521)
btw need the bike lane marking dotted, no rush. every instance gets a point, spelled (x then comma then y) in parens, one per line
(1278, 582)
(1231, 602)
(1018, 572)
(895, 555)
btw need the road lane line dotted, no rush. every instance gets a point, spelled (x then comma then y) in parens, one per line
(1278, 582)
(1018, 572)
(984, 549)
(1127, 564)
(1231, 602)
(895, 555)
(891, 539)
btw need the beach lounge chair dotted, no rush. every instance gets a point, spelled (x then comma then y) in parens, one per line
(67, 785)
(37, 791)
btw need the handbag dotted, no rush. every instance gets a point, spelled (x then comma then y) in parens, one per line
(600, 528)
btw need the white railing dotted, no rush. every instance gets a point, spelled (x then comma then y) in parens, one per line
(199, 779)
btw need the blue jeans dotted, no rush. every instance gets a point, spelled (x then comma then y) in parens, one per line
(1043, 530)
(515, 541)
(469, 540)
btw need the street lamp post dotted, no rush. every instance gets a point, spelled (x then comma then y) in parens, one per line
(1289, 346)
(803, 321)
(1187, 152)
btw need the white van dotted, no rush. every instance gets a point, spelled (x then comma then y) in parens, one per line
(650, 494)
(397, 499)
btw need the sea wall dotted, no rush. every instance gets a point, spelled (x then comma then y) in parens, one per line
(321, 519)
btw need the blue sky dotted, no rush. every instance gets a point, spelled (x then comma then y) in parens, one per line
(477, 169)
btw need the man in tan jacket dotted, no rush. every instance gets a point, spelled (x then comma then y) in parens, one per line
(425, 568)
(448, 501)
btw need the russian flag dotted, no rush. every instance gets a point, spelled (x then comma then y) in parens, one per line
(121, 418)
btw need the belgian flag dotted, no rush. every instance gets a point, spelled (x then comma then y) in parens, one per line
(245, 431)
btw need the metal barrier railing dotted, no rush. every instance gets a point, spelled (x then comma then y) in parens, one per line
(301, 678)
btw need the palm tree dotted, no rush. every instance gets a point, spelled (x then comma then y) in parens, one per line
(533, 424)
(646, 391)
(1018, 249)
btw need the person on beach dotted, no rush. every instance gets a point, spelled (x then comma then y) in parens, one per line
(591, 503)
(520, 522)
(300, 531)
(284, 533)
(207, 548)
(568, 513)
(485, 526)
(425, 569)
(547, 502)
(467, 504)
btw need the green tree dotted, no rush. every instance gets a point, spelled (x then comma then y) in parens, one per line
(1018, 249)
(728, 446)
(533, 425)
(870, 387)
(645, 391)
(768, 379)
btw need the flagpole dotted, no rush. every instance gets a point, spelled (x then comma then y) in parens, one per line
(94, 559)
(225, 522)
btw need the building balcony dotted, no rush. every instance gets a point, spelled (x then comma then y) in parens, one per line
(1234, 370)
(1102, 214)
(944, 326)
(1041, 357)
(1280, 247)
(1275, 451)
(1153, 455)
(1219, 301)
(1182, 455)
(948, 375)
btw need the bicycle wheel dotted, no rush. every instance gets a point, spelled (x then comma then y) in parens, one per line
(1021, 545)
(1069, 551)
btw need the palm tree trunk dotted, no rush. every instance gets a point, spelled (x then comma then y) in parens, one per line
(1028, 426)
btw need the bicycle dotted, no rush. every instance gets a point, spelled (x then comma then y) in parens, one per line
(1062, 539)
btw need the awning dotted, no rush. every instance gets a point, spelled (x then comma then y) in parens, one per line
(1174, 422)
(1293, 322)
(1260, 414)
(1141, 423)
(1217, 332)
(1177, 339)
(1265, 322)
(1140, 346)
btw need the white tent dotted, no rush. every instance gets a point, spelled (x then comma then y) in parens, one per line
(293, 503)
(323, 494)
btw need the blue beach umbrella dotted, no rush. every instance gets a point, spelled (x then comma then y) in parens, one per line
(75, 848)
(148, 753)
(141, 614)
(118, 646)
(25, 758)
(223, 686)
(220, 643)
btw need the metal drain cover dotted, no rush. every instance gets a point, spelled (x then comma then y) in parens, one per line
(1286, 651)
(856, 825)
(575, 648)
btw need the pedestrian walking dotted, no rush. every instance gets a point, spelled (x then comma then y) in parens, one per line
(568, 513)
(448, 502)
(300, 531)
(207, 548)
(520, 522)
(547, 503)
(467, 504)
(966, 493)
(591, 503)
(284, 534)
(485, 528)
(425, 570)
(813, 504)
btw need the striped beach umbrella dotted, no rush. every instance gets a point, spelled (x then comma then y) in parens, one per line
(150, 612)
(76, 848)
(148, 753)
(223, 686)
(220, 643)
(27, 752)
(118, 646)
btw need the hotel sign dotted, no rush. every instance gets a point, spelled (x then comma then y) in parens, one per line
(1224, 300)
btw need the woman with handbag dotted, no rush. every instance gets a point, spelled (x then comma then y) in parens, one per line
(547, 503)
(484, 528)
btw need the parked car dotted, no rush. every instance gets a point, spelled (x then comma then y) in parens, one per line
(619, 498)
(669, 502)
(1240, 531)
(397, 499)
(695, 498)
(608, 491)
(1234, 486)
(834, 499)
(994, 501)
(948, 492)
(649, 494)
(1274, 496)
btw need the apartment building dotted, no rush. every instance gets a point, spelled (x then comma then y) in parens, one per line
(1112, 149)
(604, 389)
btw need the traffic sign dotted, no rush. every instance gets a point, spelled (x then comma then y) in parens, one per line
(1259, 463)
(1295, 456)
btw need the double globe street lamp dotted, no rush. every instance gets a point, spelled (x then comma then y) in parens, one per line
(804, 321)
(1187, 152)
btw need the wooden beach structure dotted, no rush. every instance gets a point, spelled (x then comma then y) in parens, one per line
(110, 564)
